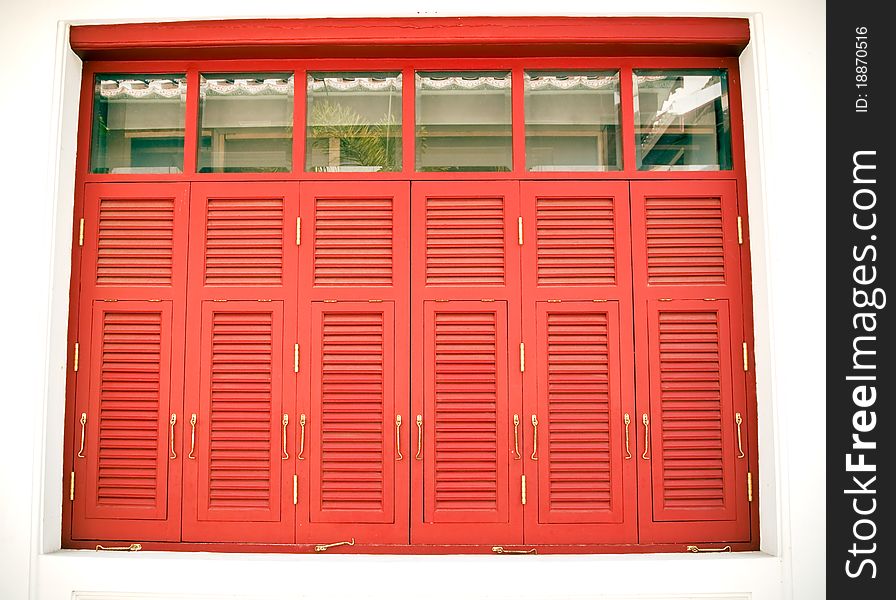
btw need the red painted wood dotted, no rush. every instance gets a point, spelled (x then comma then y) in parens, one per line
(240, 378)
(354, 288)
(689, 330)
(440, 36)
(130, 381)
(465, 335)
(577, 323)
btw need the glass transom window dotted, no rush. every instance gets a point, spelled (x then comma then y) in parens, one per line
(682, 120)
(463, 121)
(572, 121)
(245, 122)
(354, 122)
(138, 123)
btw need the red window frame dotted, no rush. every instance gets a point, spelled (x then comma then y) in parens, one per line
(407, 45)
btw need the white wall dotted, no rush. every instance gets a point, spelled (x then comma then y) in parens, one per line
(783, 72)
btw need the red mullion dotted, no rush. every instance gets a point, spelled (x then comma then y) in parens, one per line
(191, 122)
(299, 115)
(408, 122)
(518, 120)
(627, 126)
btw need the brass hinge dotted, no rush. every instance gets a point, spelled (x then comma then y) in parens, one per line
(81, 232)
(522, 357)
(486, 299)
(295, 365)
(740, 230)
(555, 301)
(523, 489)
(71, 488)
(298, 231)
(330, 301)
(264, 300)
(746, 359)
(374, 301)
(519, 224)
(131, 548)
(295, 489)
(749, 486)
(77, 355)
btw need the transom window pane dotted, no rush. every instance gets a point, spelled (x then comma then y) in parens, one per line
(682, 120)
(138, 123)
(572, 121)
(245, 122)
(354, 122)
(463, 121)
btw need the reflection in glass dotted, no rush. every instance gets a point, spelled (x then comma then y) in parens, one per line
(138, 123)
(354, 122)
(572, 121)
(463, 121)
(245, 122)
(682, 120)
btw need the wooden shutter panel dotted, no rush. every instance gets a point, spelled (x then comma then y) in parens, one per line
(125, 474)
(579, 377)
(690, 333)
(467, 486)
(238, 451)
(240, 377)
(355, 266)
(132, 290)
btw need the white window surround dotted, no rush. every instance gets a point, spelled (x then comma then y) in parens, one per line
(57, 573)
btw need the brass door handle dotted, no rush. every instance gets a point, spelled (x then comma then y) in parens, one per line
(301, 437)
(171, 423)
(516, 437)
(191, 456)
(646, 421)
(626, 419)
(740, 450)
(285, 423)
(398, 455)
(419, 455)
(83, 423)
(534, 437)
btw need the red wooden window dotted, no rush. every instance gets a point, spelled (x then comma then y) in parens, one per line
(363, 355)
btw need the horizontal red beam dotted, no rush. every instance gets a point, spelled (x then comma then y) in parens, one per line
(408, 37)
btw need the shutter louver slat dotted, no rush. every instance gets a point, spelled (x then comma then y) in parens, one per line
(352, 412)
(353, 241)
(244, 242)
(684, 241)
(241, 410)
(464, 241)
(135, 241)
(578, 412)
(576, 242)
(465, 412)
(691, 397)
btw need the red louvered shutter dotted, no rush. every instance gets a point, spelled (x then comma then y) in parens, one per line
(579, 380)
(466, 333)
(130, 381)
(240, 380)
(689, 335)
(353, 380)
